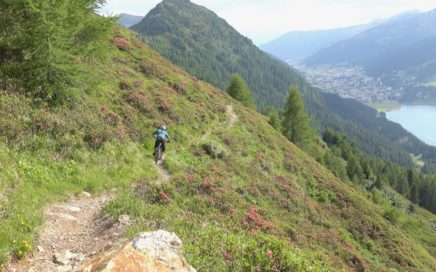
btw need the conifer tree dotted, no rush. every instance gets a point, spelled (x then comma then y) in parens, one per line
(414, 194)
(296, 122)
(380, 182)
(354, 169)
(42, 41)
(274, 118)
(238, 89)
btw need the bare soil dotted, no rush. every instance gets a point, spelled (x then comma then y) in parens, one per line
(73, 232)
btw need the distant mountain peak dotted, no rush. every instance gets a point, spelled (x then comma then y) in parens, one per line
(128, 20)
(178, 1)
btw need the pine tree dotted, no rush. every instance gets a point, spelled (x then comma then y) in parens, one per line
(354, 169)
(238, 89)
(274, 118)
(414, 194)
(296, 122)
(380, 182)
(44, 40)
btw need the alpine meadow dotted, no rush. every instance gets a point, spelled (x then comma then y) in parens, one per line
(263, 171)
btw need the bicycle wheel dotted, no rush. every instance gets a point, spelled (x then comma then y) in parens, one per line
(158, 154)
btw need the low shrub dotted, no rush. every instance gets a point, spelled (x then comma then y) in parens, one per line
(121, 43)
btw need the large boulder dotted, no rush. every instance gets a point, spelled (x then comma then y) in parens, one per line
(149, 251)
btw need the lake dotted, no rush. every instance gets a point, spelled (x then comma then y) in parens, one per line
(417, 119)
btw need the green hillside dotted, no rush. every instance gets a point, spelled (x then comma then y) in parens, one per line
(195, 38)
(241, 197)
(198, 40)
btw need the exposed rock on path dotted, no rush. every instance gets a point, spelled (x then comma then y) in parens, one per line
(73, 232)
(148, 252)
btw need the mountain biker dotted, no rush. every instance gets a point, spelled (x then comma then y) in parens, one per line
(162, 137)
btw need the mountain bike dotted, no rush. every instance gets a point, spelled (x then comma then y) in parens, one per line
(158, 153)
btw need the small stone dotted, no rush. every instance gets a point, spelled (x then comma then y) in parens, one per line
(163, 260)
(124, 219)
(40, 249)
(86, 194)
(69, 255)
(60, 259)
(64, 268)
(80, 258)
(176, 243)
(73, 209)
(31, 270)
(67, 217)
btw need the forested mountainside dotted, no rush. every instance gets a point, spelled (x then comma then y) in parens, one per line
(205, 45)
(373, 120)
(398, 50)
(239, 200)
(208, 47)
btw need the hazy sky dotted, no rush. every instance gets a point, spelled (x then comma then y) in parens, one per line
(263, 20)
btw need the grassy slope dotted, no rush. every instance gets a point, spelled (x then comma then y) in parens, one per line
(182, 32)
(253, 208)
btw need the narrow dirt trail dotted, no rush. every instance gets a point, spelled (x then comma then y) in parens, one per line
(232, 121)
(164, 175)
(73, 232)
(233, 117)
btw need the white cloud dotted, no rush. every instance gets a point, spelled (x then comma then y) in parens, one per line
(263, 20)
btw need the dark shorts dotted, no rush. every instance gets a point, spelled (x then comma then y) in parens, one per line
(162, 142)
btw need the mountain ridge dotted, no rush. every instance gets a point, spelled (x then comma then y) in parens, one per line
(259, 205)
(128, 20)
(297, 45)
(182, 31)
(388, 44)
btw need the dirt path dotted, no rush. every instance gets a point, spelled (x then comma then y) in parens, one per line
(233, 116)
(164, 175)
(73, 232)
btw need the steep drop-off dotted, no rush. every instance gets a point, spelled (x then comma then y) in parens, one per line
(196, 39)
(240, 195)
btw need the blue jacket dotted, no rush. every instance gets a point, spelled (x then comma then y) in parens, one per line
(161, 134)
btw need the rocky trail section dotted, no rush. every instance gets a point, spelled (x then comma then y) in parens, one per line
(73, 232)
(148, 252)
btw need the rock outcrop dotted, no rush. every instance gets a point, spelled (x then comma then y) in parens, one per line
(148, 252)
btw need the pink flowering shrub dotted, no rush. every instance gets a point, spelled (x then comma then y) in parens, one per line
(121, 43)
(164, 197)
(255, 222)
